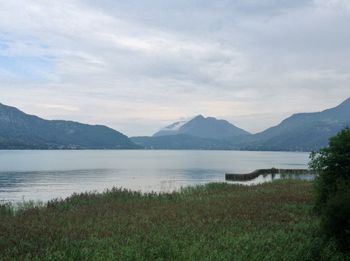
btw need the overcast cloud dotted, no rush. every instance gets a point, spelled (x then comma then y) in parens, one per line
(138, 65)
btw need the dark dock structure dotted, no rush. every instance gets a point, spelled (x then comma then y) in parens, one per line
(258, 172)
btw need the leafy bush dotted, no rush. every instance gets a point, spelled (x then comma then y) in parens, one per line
(333, 188)
(335, 220)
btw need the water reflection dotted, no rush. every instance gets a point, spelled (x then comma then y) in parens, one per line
(43, 175)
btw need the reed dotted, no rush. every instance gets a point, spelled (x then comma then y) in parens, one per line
(272, 221)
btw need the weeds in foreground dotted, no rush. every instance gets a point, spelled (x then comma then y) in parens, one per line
(272, 221)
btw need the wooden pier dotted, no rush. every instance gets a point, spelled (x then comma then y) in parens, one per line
(258, 172)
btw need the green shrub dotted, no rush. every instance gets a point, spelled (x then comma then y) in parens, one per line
(335, 220)
(333, 188)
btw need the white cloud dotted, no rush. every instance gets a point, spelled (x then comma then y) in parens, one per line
(135, 65)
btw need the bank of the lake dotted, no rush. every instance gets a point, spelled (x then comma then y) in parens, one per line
(44, 175)
(272, 221)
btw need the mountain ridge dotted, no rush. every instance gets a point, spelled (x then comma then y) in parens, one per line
(203, 127)
(299, 132)
(19, 130)
(302, 131)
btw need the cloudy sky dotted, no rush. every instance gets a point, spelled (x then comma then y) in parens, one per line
(138, 65)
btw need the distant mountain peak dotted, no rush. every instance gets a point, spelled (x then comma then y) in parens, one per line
(203, 127)
(198, 117)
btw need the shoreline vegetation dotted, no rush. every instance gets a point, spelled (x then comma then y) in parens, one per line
(217, 221)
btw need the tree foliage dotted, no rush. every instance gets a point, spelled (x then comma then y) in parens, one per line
(332, 165)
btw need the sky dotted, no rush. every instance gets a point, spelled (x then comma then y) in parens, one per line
(139, 65)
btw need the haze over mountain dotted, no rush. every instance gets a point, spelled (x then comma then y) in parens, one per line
(202, 127)
(197, 133)
(300, 132)
(19, 130)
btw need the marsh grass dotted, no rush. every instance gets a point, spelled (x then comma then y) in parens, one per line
(272, 221)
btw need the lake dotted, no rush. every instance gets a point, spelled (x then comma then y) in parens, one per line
(44, 175)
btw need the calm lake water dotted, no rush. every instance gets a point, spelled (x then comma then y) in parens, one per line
(44, 175)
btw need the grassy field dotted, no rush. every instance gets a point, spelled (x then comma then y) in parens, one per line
(273, 221)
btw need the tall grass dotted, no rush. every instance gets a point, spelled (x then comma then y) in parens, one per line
(272, 221)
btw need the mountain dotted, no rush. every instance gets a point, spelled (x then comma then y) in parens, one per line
(182, 142)
(198, 133)
(302, 131)
(201, 127)
(299, 132)
(172, 129)
(19, 130)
